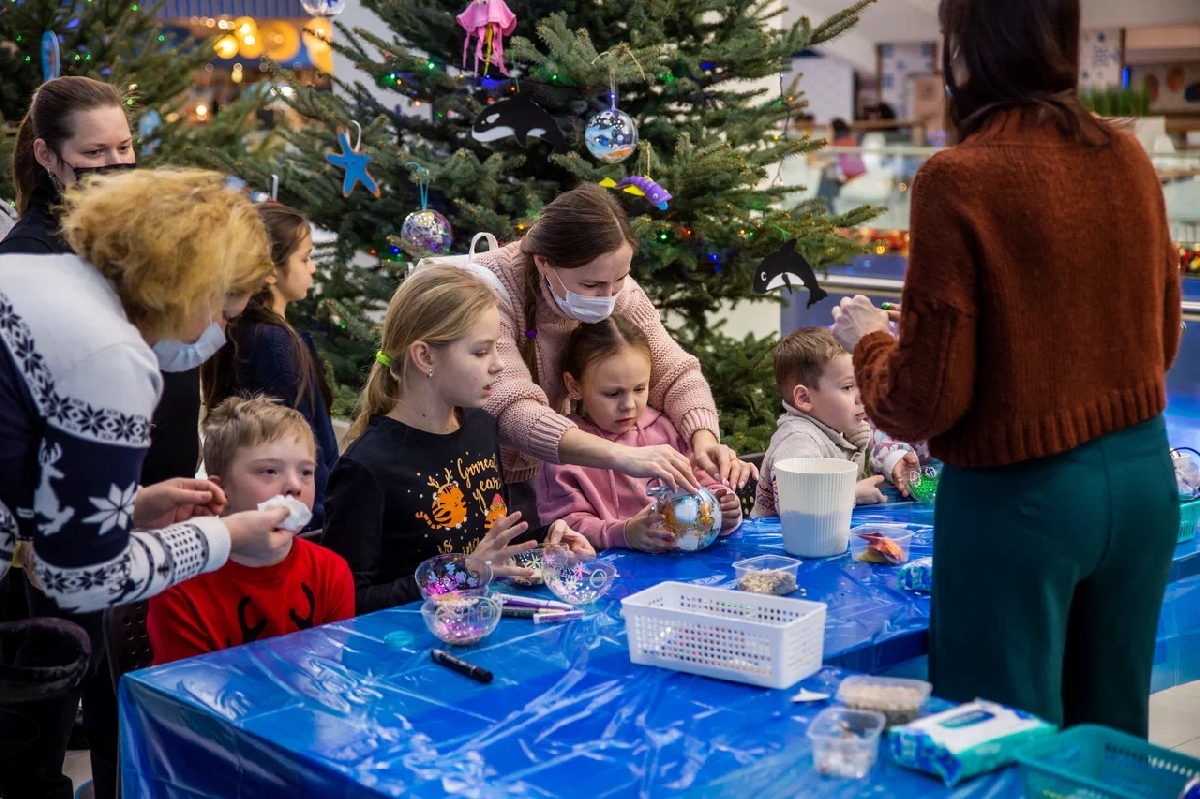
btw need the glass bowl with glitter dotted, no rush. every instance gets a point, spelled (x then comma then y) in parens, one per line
(452, 576)
(461, 620)
(528, 559)
(576, 579)
(923, 484)
(693, 516)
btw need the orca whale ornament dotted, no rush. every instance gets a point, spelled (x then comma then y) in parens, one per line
(521, 118)
(783, 269)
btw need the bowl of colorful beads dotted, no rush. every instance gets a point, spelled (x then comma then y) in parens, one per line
(461, 620)
(452, 575)
(576, 579)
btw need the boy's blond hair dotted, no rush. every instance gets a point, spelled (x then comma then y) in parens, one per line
(801, 358)
(240, 422)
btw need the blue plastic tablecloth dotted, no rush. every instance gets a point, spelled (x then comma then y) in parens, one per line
(336, 711)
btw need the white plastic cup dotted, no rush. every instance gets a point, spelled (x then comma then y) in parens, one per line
(816, 499)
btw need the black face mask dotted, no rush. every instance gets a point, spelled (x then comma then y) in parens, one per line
(83, 171)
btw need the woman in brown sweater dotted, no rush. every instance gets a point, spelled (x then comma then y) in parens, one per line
(1039, 317)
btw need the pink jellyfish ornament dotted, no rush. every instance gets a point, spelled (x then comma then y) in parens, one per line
(489, 21)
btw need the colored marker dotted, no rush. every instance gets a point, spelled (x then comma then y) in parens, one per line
(477, 673)
(511, 612)
(557, 615)
(529, 602)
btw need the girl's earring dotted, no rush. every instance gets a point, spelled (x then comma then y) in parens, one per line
(431, 373)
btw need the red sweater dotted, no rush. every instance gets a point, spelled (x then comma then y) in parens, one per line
(1041, 301)
(238, 604)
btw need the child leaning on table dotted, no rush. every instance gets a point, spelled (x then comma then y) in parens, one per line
(255, 449)
(606, 369)
(824, 418)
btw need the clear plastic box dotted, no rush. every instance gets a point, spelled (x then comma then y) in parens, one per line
(845, 742)
(900, 701)
(889, 550)
(767, 574)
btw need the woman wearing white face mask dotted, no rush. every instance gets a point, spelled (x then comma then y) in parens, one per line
(573, 266)
(78, 384)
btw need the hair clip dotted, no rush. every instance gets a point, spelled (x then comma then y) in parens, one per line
(531, 333)
(383, 359)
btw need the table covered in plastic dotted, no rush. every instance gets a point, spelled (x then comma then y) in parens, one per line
(339, 711)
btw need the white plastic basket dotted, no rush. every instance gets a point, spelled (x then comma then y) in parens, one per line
(764, 640)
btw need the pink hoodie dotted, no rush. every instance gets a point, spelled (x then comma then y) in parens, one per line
(598, 502)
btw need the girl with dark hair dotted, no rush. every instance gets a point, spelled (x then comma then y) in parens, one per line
(1037, 371)
(266, 355)
(607, 369)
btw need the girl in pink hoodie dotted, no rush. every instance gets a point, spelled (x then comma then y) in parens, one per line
(606, 370)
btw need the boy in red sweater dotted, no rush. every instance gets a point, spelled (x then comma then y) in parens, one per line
(255, 449)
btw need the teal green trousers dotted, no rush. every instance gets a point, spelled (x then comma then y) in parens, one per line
(1048, 577)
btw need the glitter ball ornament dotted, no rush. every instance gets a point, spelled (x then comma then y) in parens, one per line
(426, 229)
(323, 8)
(693, 516)
(611, 136)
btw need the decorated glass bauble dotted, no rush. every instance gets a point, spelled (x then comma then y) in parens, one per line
(693, 516)
(323, 8)
(426, 229)
(611, 136)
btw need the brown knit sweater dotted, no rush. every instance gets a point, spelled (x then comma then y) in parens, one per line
(1041, 302)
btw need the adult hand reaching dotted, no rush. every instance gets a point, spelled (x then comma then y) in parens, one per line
(176, 500)
(254, 535)
(661, 461)
(854, 318)
(721, 461)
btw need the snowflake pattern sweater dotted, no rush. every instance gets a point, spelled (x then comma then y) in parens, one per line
(78, 385)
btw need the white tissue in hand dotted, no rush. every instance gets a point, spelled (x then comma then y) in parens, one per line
(298, 513)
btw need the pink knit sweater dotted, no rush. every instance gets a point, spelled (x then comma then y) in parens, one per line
(598, 502)
(532, 420)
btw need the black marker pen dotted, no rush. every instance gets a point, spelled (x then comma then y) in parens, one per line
(510, 612)
(477, 673)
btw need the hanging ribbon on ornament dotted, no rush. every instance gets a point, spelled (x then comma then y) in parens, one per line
(353, 161)
(425, 229)
(488, 21)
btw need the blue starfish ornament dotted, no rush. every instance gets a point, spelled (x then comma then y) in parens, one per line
(355, 164)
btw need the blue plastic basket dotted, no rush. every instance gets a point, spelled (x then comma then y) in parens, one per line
(1189, 515)
(1099, 763)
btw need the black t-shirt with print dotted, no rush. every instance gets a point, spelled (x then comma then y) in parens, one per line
(399, 496)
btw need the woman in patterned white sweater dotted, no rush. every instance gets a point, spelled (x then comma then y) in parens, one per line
(162, 255)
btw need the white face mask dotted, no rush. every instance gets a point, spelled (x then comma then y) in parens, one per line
(582, 308)
(177, 356)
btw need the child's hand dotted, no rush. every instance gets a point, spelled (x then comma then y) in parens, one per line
(496, 548)
(560, 534)
(901, 469)
(645, 532)
(731, 509)
(867, 492)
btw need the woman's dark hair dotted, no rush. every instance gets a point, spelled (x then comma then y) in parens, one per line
(591, 343)
(1016, 53)
(840, 128)
(287, 229)
(571, 231)
(51, 117)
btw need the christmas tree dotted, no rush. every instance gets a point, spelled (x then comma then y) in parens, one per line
(119, 42)
(678, 68)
